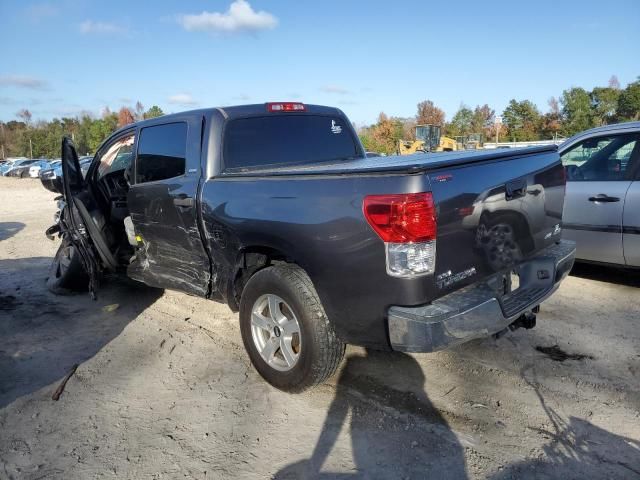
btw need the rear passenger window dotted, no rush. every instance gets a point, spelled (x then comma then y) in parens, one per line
(161, 152)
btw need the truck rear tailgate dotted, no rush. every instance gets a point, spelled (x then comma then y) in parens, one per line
(494, 213)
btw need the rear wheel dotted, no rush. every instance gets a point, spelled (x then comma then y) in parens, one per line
(285, 330)
(66, 273)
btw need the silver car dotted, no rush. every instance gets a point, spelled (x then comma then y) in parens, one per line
(602, 202)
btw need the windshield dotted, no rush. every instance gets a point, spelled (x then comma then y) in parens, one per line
(287, 139)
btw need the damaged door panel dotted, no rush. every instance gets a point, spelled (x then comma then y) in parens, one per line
(163, 206)
(81, 221)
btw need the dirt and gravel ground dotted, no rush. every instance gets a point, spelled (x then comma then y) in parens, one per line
(165, 390)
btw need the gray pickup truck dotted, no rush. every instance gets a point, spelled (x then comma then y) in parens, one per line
(275, 210)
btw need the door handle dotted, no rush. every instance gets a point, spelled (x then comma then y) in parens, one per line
(603, 198)
(183, 201)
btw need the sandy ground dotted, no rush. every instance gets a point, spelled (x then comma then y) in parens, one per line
(165, 390)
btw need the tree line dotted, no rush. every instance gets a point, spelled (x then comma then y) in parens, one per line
(574, 111)
(41, 139)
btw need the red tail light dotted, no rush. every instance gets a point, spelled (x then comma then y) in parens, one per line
(285, 107)
(402, 218)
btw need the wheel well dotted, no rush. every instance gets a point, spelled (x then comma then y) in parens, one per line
(250, 260)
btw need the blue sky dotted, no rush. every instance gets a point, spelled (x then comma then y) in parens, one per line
(59, 58)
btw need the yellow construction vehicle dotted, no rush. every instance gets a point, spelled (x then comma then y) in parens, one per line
(429, 138)
(472, 141)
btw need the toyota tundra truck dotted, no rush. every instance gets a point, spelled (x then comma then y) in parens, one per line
(275, 210)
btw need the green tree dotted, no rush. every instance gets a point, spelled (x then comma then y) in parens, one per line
(483, 120)
(100, 129)
(604, 103)
(522, 120)
(153, 112)
(577, 114)
(629, 102)
(83, 137)
(461, 123)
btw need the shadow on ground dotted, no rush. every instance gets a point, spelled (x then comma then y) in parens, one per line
(9, 229)
(576, 449)
(395, 433)
(43, 335)
(602, 273)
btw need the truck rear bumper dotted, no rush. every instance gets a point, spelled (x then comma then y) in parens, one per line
(479, 310)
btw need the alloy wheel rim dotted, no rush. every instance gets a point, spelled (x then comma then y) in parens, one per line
(276, 332)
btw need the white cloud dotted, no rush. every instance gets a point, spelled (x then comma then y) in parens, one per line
(334, 89)
(240, 17)
(103, 28)
(183, 99)
(23, 81)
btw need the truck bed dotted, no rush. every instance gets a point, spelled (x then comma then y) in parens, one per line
(395, 163)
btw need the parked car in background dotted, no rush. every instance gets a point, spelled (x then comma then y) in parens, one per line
(602, 202)
(19, 168)
(9, 163)
(39, 166)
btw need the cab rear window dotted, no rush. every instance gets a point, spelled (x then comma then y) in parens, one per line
(287, 139)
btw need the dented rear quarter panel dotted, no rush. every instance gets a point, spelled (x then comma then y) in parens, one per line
(316, 222)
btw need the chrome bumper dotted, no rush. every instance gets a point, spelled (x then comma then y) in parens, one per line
(479, 310)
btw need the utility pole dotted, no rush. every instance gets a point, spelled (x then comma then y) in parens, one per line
(30, 149)
(497, 124)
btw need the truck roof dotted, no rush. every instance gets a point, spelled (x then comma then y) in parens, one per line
(236, 111)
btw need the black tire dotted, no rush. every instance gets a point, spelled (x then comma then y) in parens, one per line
(66, 273)
(320, 349)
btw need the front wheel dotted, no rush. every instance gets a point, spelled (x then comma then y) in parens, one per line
(66, 272)
(286, 333)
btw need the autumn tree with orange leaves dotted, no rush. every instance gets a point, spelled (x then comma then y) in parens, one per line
(125, 117)
(429, 114)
